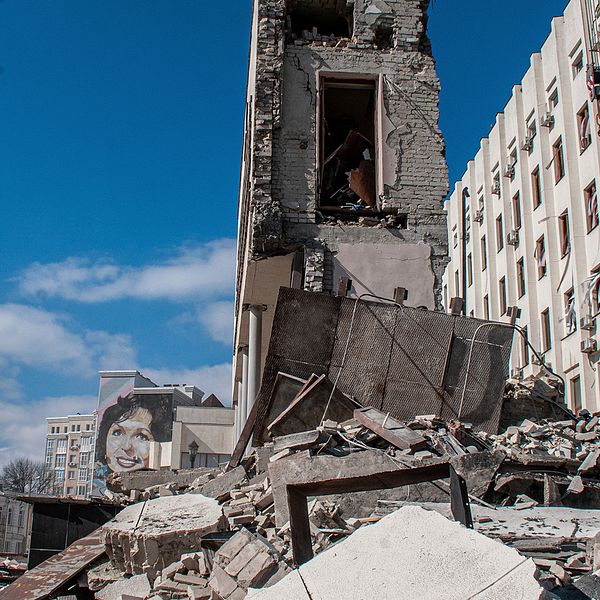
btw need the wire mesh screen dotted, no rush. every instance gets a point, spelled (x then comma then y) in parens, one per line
(400, 360)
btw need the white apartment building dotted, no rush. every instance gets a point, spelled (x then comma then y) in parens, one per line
(70, 454)
(523, 220)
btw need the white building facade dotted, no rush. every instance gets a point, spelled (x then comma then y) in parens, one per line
(69, 457)
(523, 220)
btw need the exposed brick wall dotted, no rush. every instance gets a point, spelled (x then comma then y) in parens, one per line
(284, 197)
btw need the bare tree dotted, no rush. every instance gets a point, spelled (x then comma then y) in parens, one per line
(25, 476)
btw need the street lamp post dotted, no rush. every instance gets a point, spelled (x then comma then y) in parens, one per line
(193, 448)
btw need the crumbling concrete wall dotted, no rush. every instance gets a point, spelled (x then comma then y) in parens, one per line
(389, 44)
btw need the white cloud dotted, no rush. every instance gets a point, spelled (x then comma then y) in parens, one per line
(215, 379)
(23, 431)
(41, 339)
(207, 271)
(217, 319)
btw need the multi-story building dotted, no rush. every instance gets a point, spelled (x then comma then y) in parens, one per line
(70, 454)
(523, 220)
(15, 519)
(343, 169)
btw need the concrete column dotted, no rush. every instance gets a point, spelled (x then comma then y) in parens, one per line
(254, 351)
(244, 389)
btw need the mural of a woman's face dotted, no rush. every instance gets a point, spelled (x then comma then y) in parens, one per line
(128, 442)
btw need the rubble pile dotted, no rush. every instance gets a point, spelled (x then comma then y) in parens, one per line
(10, 570)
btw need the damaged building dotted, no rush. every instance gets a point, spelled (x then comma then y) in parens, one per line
(343, 168)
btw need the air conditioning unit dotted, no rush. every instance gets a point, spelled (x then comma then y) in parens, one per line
(527, 144)
(74, 446)
(589, 346)
(478, 216)
(516, 373)
(587, 323)
(496, 188)
(512, 238)
(547, 119)
(72, 464)
(510, 170)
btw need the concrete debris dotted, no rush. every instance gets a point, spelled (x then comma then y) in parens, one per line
(136, 588)
(438, 559)
(148, 536)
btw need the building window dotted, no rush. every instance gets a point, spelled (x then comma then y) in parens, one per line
(577, 65)
(516, 206)
(502, 295)
(531, 133)
(536, 187)
(570, 312)
(61, 446)
(591, 206)
(61, 460)
(524, 348)
(348, 156)
(521, 277)
(540, 257)
(483, 254)
(546, 330)
(84, 459)
(71, 474)
(496, 189)
(306, 22)
(456, 283)
(512, 164)
(486, 307)
(470, 270)
(69, 491)
(454, 237)
(83, 474)
(88, 427)
(72, 458)
(59, 475)
(563, 231)
(86, 444)
(499, 233)
(558, 160)
(575, 393)
(48, 460)
(81, 490)
(553, 99)
(584, 127)
(66, 429)
(49, 445)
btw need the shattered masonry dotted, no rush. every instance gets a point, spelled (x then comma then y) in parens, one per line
(281, 196)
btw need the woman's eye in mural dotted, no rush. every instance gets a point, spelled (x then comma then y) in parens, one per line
(143, 437)
(117, 432)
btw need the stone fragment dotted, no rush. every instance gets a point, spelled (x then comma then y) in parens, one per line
(590, 462)
(220, 487)
(576, 486)
(147, 537)
(136, 587)
(221, 582)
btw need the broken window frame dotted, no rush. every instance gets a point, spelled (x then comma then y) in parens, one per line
(517, 215)
(564, 233)
(575, 398)
(525, 357)
(352, 81)
(521, 282)
(499, 233)
(540, 257)
(584, 128)
(536, 187)
(558, 160)
(483, 243)
(546, 331)
(591, 206)
(570, 312)
(502, 297)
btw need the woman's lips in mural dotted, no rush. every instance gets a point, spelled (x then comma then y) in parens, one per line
(127, 463)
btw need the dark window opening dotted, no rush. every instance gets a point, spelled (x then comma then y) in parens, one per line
(313, 22)
(384, 37)
(348, 159)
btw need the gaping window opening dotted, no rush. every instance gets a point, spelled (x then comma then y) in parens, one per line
(540, 257)
(591, 206)
(348, 146)
(521, 277)
(575, 393)
(558, 160)
(570, 312)
(502, 296)
(319, 21)
(483, 253)
(470, 270)
(536, 187)
(546, 330)
(577, 65)
(499, 233)
(524, 347)
(584, 128)
(516, 206)
(563, 231)
(486, 307)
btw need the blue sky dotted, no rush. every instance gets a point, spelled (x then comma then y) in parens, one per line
(121, 130)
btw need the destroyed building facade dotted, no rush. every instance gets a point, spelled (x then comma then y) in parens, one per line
(523, 220)
(343, 168)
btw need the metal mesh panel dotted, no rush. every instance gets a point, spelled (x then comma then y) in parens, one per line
(403, 361)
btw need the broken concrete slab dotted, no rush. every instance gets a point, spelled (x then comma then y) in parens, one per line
(298, 441)
(220, 487)
(478, 470)
(391, 430)
(142, 480)
(439, 559)
(136, 587)
(149, 536)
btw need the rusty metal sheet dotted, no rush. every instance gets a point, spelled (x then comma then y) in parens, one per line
(56, 572)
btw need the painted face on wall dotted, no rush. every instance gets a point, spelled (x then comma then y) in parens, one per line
(128, 442)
